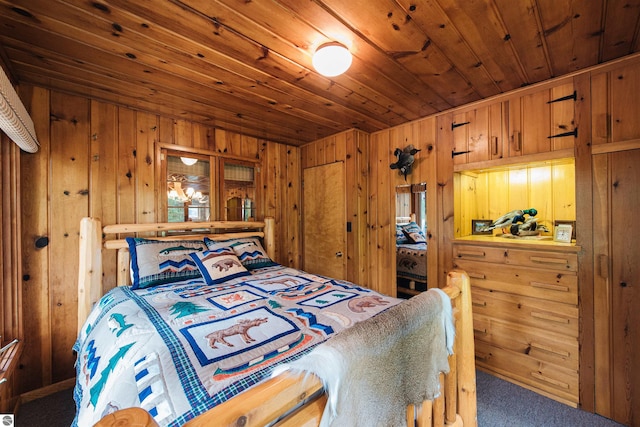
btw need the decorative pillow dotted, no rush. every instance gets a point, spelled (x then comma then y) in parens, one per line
(414, 233)
(248, 249)
(218, 266)
(156, 262)
(400, 237)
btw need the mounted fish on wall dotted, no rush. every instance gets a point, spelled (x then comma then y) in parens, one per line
(405, 159)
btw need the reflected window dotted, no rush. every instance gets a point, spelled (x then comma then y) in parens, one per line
(238, 191)
(411, 200)
(188, 189)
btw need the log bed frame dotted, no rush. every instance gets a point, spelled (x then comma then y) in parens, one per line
(285, 400)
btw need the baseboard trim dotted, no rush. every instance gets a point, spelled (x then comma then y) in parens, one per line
(47, 390)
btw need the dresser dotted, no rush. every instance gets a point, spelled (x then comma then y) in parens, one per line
(525, 311)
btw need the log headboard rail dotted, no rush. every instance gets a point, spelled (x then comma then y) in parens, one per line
(94, 239)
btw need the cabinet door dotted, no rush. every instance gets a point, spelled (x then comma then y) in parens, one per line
(616, 285)
(480, 132)
(542, 121)
(614, 105)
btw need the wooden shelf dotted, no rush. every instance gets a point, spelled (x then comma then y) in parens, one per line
(9, 361)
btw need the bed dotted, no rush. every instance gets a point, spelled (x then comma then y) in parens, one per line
(411, 256)
(126, 373)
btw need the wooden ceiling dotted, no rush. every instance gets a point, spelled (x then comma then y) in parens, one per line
(245, 65)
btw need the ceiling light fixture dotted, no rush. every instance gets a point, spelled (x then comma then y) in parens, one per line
(189, 161)
(332, 59)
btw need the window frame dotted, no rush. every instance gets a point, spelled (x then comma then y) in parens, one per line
(216, 177)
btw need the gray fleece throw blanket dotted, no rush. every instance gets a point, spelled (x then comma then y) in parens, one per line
(374, 369)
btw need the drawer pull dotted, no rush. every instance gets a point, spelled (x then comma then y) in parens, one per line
(551, 317)
(477, 275)
(471, 253)
(480, 331)
(542, 347)
(479, 303)
(483, 356)
(545, 260)
(539, 376)
(550, 286)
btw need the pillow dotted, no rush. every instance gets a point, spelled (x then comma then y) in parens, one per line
(248, 249)
(400, 237)
(218, 266)
(157, 262)
(414, 233)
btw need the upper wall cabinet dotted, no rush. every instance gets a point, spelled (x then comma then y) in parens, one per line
(614, 105)
(527, 123)
(478, 134)
(542, 121)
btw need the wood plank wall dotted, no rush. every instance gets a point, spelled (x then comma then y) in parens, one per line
(382, 195)
(99, 159)
(11, 325)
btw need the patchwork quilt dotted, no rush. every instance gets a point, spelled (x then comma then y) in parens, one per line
(179, 349)
(411, 261)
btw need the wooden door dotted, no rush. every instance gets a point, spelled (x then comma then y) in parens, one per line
(324, 220)
(617, 285)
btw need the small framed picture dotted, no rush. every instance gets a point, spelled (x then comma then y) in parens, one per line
(562, 233)
(477, 226)
(558, 222)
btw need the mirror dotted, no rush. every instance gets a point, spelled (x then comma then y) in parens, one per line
(411, 242)
(188, 188)
(238, 191)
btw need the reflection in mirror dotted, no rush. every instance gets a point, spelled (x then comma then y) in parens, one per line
(238, 191)
(411, 242)
(188, 189)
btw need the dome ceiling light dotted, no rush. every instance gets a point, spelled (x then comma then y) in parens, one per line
(332, 59)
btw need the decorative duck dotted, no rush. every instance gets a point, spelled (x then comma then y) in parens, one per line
(529, 227)
(511, 218)
(405, 159)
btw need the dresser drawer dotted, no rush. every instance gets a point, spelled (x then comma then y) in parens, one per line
(544, 346)
(521, 310)
(549, 378)
(549, 260)
(528, 281)
(560, 261)
(480, 253)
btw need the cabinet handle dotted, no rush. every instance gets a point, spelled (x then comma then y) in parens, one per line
(480, 331)
(550, 286)
(495, 145)
(548, 260)
(517, 140)
(471, 253)
(476, 275)
(551, 317)
(541, 377)
(479, 304)
(548, 349)
(603, 263)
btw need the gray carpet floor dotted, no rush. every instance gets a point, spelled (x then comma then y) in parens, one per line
(500, 404)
